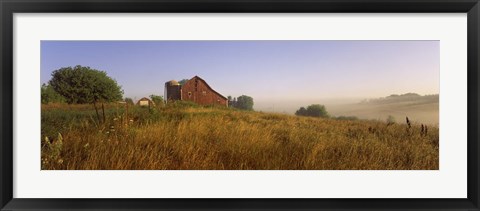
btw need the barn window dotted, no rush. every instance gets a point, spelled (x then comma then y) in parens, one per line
(204, 93)
(189, 94)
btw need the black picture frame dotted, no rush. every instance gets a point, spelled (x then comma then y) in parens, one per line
(9, 7)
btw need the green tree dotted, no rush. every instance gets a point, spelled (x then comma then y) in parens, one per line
(317, 110)
(244, 102)
(49, 95)
(85, 85)
(183, 81)
(230, 101)
(129, 101)
(314, 110)
(301, 112)
(158, 100)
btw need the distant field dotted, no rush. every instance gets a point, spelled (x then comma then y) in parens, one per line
(419, 109)
(181, 136)
(421, 113)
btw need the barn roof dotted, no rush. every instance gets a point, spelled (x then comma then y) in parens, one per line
(208, 86)
(146, 99)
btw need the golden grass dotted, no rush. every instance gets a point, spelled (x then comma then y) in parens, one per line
(216, 138)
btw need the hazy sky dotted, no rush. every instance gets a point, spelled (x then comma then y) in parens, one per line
(265, 70)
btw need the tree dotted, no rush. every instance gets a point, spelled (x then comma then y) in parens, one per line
(158, 100)
(314, 110)
(85, 85)
(301, 112)
(49, 95)
(183, 81)
(244, 102)
(317, 110)
(230, 101)
(129, 101)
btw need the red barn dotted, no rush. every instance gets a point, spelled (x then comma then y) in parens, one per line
(195, 90)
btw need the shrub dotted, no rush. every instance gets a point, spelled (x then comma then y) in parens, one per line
(314, 110)
(390, 120)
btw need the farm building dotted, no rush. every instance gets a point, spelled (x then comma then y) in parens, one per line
(195, 90)
(145, 102)
(172, 90)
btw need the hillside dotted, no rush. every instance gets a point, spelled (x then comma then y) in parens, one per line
(192, 137)
(403, 98)
(420, 109)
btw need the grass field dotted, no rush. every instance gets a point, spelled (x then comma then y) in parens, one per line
(185, 136)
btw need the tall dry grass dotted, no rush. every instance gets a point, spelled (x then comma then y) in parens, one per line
(184, 137)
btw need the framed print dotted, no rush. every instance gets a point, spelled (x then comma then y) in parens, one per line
(239, 105)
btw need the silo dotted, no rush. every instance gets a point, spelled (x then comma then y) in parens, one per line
(172, 90)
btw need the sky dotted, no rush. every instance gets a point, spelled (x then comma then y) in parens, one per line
(268, 71)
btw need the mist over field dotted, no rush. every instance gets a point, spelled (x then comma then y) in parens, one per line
(419, 110)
